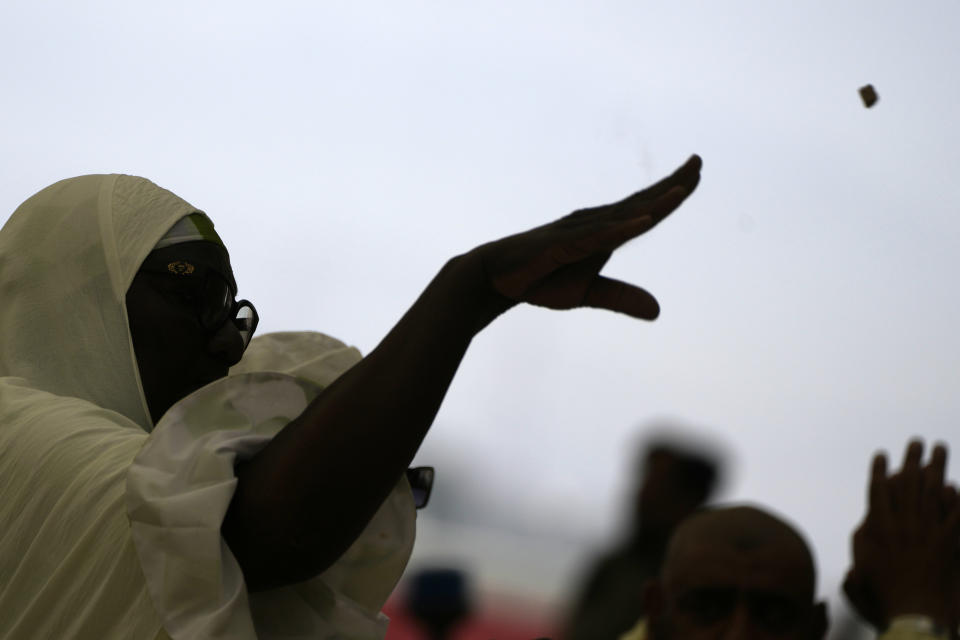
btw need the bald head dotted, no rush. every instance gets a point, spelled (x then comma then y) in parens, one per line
(723, 560)
(742, 538)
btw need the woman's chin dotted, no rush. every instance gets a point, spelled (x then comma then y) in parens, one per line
(210, 376)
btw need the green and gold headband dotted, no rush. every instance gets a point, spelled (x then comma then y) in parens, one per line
(191, 228)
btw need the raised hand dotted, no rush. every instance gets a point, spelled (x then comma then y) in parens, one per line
(558, 265)
(904, 551)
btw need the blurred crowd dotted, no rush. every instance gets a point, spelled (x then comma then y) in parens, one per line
(691, 569)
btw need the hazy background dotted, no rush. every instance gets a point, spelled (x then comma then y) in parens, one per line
(345, 150)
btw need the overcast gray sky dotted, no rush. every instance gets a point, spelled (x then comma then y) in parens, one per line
(345, 150)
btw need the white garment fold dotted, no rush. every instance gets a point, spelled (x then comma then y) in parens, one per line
(180, 486)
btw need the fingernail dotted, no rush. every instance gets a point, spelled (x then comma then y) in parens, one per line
(641, 222)
(676, 192)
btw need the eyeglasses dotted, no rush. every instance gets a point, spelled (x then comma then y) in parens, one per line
(244, 316)
(216, 306)
(421, 482)
(214, 302)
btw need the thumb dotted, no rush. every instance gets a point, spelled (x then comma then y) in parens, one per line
(615, 295)
(862, 599)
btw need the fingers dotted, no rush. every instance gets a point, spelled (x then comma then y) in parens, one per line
(603, 241)
(607, 293)
(950, 505)
(687, 175)
(916, 490)
(878, 469)
(647, 201)
(912, 455)
(932, 483)
(880, 507)
(625, 228)
(908, 483)
(658, 207)
(949, 498)
(937, 468)
(667, 203)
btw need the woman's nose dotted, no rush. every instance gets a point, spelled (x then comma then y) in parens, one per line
(226, 345)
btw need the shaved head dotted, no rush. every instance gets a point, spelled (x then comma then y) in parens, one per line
(753, 536)
(737, 565)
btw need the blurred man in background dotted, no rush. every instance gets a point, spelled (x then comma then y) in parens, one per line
(738, 573)
(673, 480)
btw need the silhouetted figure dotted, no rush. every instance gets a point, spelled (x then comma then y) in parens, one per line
(439, 600)
(672, 483)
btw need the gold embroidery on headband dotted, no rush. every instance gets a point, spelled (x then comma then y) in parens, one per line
(180, 268)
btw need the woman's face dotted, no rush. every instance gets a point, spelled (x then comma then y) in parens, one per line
(175, 287)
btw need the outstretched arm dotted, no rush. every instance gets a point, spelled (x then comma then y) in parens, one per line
(303, 499)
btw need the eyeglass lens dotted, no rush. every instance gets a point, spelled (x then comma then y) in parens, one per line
(217, 302)
(217, 307)
(246, 321)
(421, 483)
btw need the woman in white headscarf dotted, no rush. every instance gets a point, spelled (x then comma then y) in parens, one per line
(148, 494)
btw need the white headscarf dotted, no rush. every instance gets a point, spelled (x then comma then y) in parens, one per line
(72, 412)
(67, 258)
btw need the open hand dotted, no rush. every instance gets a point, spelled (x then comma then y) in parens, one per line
(904, 551)
(558, 264)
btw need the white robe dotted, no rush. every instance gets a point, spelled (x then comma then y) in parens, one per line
(111, 527)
